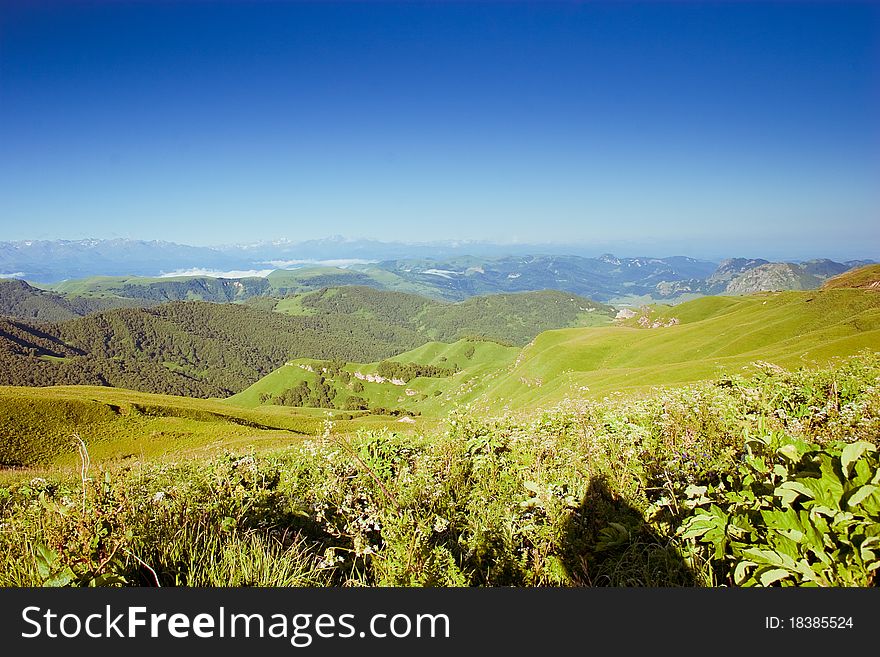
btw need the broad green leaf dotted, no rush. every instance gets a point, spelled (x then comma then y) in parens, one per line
(47, 553)
(788, 491)
(740, 573)
(804, 569)
(758, 463)
(861, 495)
(46, 558)
(862, 472)
(853, 452)
(762, 556)
(793, 534)
(773, 575)
(62, 578)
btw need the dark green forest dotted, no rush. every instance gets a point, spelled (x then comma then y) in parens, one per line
(20, 300)
(202, 349)
(510, 318)
(186, 348)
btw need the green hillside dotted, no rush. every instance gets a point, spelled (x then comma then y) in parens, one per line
(279, 283)
(201, 349)
(867, 277)
(165, 289)
(514, 318)
(695, 341)
(789, 329)
(429, 395)
(37, 425)
(19, 300)
(189, 348)
(711, 336)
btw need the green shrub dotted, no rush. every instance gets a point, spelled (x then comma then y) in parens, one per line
(793, 513)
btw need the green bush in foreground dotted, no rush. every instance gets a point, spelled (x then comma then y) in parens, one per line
(793, 513)
(770, 479)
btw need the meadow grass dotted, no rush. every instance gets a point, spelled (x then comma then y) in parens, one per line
(585, 493)
(714, 335)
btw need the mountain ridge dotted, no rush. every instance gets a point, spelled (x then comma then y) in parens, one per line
(206, 349)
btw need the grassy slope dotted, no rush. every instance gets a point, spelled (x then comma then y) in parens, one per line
(108, 285)
(486, 358)
(788, 328)
(523, 314)
(281, 281)
(863, 277)
(37, 424)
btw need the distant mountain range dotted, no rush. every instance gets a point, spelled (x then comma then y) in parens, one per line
(158, 271)
(48, 261)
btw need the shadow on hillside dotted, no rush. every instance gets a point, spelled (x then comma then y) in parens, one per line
(607, 542)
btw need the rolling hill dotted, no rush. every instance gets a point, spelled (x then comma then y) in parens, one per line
(37, 425)
(513, 318)
(204, 349)
(867, 277)
(163, 290)
(629, 281)
(788, 329)
(465, 360)
(708, 336)
(18, 300)
(188, 348)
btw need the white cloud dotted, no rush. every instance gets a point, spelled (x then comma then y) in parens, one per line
(216, 273)
(17, 274)
(342, 262)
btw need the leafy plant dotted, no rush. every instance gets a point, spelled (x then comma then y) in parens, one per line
(793, 513)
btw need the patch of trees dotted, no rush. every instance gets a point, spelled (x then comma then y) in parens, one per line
(355, 403)
(406, 371)
(392, 412)
(509, 319)
(398, 308)
(318, 395)
(512, 319)
(331, 280)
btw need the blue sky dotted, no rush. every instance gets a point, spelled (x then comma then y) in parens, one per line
(708, 130)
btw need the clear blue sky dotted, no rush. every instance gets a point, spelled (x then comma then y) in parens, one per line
(720, 129)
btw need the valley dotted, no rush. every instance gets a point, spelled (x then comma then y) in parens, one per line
(333, 412)
(218, 369)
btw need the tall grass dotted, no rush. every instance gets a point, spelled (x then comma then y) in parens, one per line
(590, 493)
